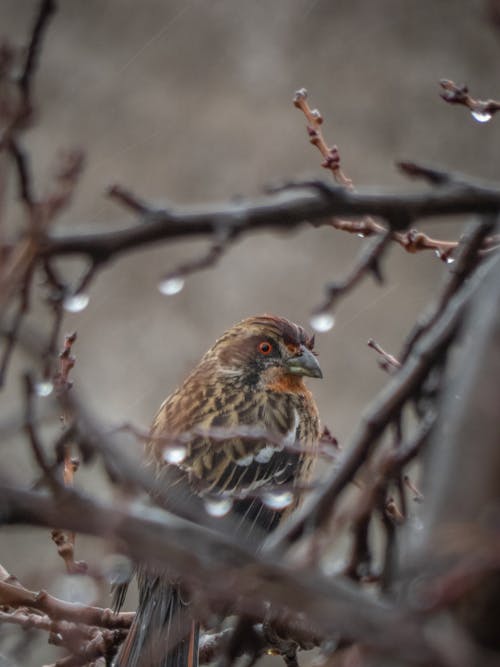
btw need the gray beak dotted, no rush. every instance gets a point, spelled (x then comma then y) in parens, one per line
(304, 364)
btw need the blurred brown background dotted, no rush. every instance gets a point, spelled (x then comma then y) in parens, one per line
(189, 102)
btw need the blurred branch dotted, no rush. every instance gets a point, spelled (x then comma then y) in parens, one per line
(431, 346)
(45, 11)
(201, 557)
(462, 482)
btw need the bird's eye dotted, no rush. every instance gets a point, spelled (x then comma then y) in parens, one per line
(265, 347)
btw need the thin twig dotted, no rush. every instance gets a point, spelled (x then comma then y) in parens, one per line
(387, 359)
(455, 94)
(45, 11)
(368, 262)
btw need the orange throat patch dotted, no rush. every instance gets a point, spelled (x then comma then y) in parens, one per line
(275, 379)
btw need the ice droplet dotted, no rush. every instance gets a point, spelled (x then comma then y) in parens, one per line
(480, 116)
(44, 388)
(322, 322)
(277, 500)
(218, 506)
(175, 455)
(416, 524)
(171, 286)
(75, 303)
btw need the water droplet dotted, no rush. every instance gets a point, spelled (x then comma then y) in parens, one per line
(244, 461)
(117, 569)
(277, 500)
(360, 235)
(322, 322)
(75, 303)
(80, 589)
(449, 260)
(175, 455)
(44, 388)
(171, 286)
(481, 116)
(218, 506)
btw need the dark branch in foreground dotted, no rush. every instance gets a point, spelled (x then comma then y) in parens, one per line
(202, 557)
(281, 211)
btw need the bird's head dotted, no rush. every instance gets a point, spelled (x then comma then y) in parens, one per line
(267, 349)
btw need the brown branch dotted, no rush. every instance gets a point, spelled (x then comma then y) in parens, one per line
(368, 262)
(12, 333)
(331, 155)
(66, 363)
(482, 110)
(36, 446)
(16, 596)
(65, 541)
(45, 11)
(209, 258)
(25, 182)
(284, 210)
(372, 494)
(387, 360)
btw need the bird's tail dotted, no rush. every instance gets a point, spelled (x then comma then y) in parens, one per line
(163, 633)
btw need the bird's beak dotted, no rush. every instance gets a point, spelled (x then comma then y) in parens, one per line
(304, 364)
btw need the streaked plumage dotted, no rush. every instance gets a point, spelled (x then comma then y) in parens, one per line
(248, 423)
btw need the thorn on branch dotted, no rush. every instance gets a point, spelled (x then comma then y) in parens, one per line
(417, 495)
(129, 200)
(430, 174)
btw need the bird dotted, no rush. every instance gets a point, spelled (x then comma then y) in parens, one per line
(248, 426)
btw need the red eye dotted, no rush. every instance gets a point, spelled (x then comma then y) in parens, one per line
(265, 347)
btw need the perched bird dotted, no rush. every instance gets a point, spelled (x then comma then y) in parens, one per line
(248, 426)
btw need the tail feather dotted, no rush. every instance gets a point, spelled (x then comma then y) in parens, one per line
(163, 633)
